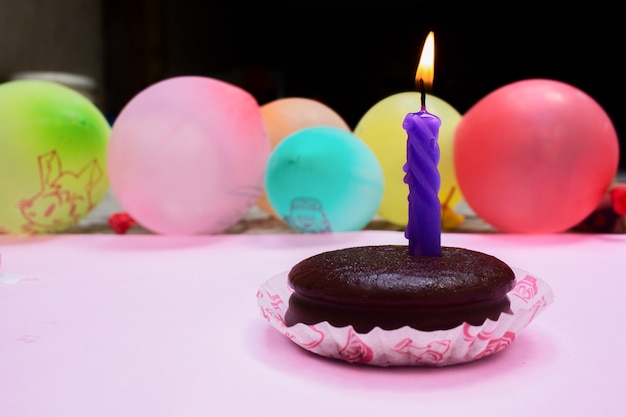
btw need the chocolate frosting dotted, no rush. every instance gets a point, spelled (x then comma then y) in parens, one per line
(384, 286)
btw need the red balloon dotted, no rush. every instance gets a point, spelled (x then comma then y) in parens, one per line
(535, 156)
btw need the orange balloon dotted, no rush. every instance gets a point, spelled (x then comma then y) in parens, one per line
(288, 115)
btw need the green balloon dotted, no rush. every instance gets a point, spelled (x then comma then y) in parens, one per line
(53, 143)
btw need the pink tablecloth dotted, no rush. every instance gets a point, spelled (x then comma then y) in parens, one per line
(144, 325)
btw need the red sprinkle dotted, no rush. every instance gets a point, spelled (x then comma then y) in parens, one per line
(121, 222)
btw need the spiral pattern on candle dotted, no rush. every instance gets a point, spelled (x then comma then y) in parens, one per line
(422, 176)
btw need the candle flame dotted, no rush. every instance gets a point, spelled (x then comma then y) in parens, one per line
(426, 67)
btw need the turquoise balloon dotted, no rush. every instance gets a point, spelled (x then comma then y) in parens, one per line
(324, 179)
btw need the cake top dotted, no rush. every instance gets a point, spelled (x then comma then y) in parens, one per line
(386, 275)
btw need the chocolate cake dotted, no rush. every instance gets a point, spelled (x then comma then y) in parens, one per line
(384, 286)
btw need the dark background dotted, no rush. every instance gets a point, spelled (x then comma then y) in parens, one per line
(350, 55)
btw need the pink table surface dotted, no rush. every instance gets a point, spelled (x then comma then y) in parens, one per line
(144, 325)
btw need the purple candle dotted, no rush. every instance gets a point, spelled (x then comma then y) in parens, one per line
(423, 229)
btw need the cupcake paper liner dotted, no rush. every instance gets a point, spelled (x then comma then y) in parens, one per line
(407, 346)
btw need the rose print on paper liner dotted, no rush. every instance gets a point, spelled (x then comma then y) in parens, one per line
(497, 345)
(64, 197)
(355, 350)
(273, 310)
(527, 290)
(483, 333)
(431, 353)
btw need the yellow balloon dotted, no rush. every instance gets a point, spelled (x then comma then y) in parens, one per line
(287, 115)
(381, 129)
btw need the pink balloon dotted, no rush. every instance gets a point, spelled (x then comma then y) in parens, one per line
(187, 155)
(535, 156)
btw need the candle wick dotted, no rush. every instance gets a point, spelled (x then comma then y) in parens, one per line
(423, 92)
